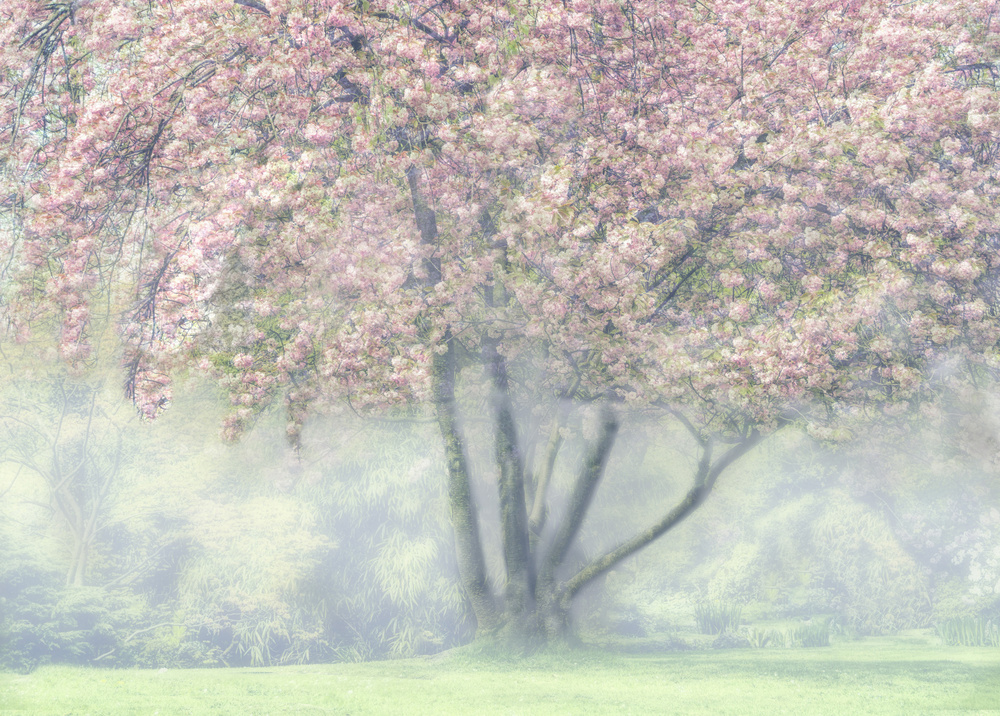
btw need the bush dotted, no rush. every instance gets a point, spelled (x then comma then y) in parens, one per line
(730, 640)
(391, 590)
(28, 594)
(42, 623)
(825, 553)
(244, 593)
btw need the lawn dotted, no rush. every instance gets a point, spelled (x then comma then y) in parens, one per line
(872, 676)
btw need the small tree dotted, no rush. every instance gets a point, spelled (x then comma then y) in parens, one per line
(60, 430)
(742, 216)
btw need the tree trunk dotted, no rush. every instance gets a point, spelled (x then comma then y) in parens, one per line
(471, 562)
(553, 614)
(520, 572)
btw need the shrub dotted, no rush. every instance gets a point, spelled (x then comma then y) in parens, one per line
(244, 592)
(28, 593)
(43, 622)
(828, 552)
(730, 640)
(391, 589)
(629, 622)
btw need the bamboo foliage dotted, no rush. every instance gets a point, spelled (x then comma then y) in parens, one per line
(243, 587)
(392, 589)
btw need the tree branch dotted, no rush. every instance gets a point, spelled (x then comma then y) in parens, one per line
(539, 509)
(426, 224)
(705, 478)
(583, 492)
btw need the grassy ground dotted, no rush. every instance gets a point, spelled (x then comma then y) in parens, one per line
(873, 676)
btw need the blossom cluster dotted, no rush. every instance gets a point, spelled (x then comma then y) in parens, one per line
(726, 208)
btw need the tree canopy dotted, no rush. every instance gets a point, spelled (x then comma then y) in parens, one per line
(742, 214)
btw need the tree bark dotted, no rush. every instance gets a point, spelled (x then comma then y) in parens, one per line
(539, 509)
(426, 221)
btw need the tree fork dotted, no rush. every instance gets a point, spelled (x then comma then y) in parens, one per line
(539, 509)
(553, 610)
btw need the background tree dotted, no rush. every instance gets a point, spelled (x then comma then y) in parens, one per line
(61, 430)
(741, 215)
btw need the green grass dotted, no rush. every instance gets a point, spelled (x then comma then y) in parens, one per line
(873, 676)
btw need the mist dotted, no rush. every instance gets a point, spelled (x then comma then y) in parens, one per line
(205, 553)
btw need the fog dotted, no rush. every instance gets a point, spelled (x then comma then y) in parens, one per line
(155, 544)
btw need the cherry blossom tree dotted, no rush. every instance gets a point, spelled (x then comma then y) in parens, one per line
(740, 214)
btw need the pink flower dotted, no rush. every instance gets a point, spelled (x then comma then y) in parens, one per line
(242, 360)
